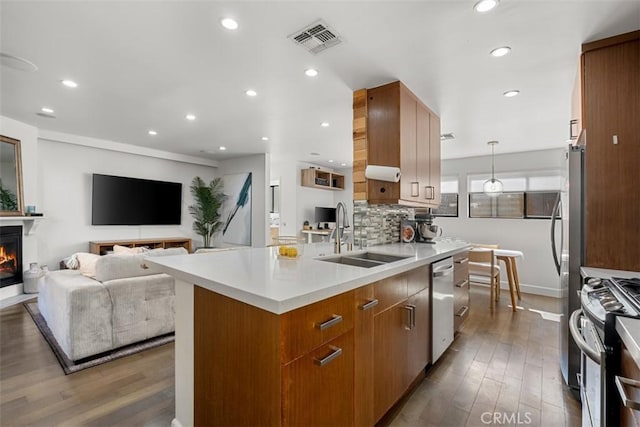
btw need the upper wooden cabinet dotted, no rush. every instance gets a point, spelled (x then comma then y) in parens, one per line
(317, 178)
(392, 127)
(610, 111)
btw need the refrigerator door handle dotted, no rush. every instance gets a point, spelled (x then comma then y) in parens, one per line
(554, 217)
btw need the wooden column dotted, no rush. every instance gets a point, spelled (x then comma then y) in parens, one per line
(359, 144)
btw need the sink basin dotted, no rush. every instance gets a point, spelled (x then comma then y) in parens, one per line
(366, 259)
(384, 258)
(356, 262)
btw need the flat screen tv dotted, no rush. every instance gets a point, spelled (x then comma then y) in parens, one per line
(118, 200)
(325, 214)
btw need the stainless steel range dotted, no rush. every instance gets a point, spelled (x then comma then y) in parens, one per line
(593, 327)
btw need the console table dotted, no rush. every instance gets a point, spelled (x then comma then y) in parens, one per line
(104, 246)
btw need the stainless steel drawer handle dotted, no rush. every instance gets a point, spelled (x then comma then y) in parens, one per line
(463, 311)
(336, 351)
(462, 284)
(411, 316)
(368, 305)
(335, 319)
(626, 400)
(461, 261)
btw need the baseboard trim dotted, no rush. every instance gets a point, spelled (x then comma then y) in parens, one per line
(525, 288)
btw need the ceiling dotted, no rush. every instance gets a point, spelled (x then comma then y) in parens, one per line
(144, 65)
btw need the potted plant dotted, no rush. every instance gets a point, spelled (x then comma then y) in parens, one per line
(208, 201)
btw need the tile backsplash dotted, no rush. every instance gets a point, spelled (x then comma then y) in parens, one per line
(378, 224)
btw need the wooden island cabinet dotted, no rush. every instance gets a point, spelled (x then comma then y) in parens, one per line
(345, 360)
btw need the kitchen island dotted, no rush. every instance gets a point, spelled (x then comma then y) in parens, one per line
(249, 325)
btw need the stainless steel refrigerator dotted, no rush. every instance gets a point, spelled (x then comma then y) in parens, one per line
(568, 254)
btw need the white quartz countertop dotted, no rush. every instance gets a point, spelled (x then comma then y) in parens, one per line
(256, 276)
(629, 331)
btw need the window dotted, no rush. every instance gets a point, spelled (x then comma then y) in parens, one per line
(540, 204)
(448, 205)
(527, 194)
(506, 205)
(448, 197)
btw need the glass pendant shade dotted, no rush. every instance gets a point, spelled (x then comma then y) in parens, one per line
(492, 187)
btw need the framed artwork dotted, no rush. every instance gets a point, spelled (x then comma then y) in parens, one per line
(236, 211)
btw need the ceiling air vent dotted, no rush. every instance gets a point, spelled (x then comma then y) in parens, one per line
(316, 37)
(447, 136)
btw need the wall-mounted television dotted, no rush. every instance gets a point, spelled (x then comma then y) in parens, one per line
(118, 200)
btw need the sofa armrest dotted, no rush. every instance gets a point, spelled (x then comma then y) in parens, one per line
(78, 311)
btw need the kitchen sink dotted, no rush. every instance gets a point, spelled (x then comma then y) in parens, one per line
(356, 262)
(366, 259)
(384, 258)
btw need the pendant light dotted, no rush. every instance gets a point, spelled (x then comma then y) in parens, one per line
(492, 187)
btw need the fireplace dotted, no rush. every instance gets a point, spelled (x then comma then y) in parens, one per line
(10, 255)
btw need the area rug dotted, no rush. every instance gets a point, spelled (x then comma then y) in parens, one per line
(70, 366)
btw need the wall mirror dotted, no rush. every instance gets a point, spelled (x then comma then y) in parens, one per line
(10, 177)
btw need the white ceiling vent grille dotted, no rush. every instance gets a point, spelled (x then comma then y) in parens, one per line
(316, 37)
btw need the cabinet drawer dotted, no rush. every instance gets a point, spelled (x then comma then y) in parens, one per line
(460, 267)
(390, 292)
(418, 280)
(318, 387)
(313, 325)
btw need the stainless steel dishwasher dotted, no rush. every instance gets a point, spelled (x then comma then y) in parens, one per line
(442, 307)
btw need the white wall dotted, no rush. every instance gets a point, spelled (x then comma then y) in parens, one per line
(260, 180)
(531, 236)
(28, 136)
(297, 203)
(65, 188)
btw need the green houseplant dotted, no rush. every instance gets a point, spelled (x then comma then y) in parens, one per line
(208, 201)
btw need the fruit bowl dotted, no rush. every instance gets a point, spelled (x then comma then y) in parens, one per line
(288, 247)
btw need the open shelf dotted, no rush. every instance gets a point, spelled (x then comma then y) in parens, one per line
(316, 178)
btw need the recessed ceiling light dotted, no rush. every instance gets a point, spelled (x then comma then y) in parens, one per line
(265, 138)
(324, 124)
(343, 164)
(511, 93)
(46, 110)
(311, 72)
(222, 148)
(330, 161)
(485, 5)
(152, 132)
(69, 83)
(500, 51)
(190, 117)
(251, 92)
(229, 24)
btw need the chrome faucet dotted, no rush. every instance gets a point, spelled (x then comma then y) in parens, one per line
(345, 225)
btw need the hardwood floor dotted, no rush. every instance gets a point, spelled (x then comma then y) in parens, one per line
(137, 390)
(502, 369)
(500, 365)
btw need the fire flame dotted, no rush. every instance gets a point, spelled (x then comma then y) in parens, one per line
(7, 260)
